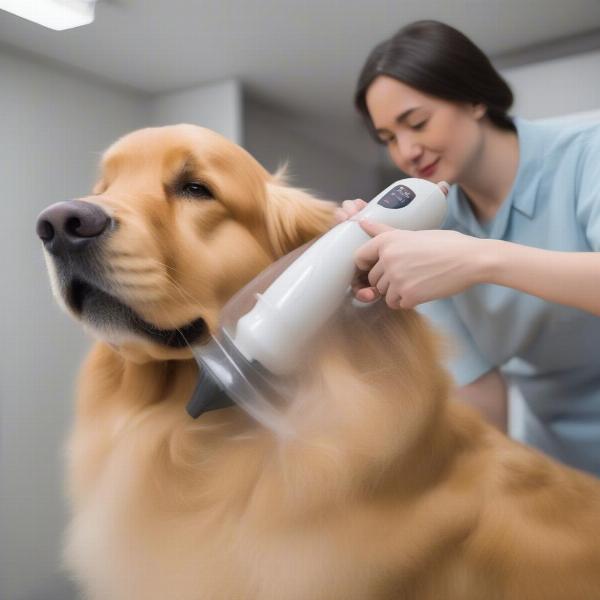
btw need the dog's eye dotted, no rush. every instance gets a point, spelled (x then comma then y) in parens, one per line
(192, 189)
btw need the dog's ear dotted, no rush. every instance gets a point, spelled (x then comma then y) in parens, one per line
(294, 216)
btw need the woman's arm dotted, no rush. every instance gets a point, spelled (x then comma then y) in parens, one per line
(412, 267)
(571, 278)
(488, 396)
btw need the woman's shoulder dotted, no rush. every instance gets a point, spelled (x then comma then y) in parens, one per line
(561, 146)
(559, 134)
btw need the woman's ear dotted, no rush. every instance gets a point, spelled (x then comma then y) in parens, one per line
(293, 216)
(479, 111)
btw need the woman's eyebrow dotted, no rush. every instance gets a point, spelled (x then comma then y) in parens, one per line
(400, 118)
(403, 116)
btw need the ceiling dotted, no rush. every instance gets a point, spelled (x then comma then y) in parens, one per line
(300, 55)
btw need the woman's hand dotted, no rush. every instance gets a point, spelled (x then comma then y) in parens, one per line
(412, 267)
(348, 209)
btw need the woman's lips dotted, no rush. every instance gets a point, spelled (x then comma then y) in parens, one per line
(429, 170)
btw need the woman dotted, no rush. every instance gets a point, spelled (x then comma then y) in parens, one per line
(514, 276)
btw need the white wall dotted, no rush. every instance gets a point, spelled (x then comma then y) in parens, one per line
(217, 106)
(334, 164)
(53, 127)
(556, 87)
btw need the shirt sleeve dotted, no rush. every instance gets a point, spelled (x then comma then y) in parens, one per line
(464, 360)
(588, 193)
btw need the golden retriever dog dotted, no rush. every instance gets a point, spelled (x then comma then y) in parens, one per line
(390, 489)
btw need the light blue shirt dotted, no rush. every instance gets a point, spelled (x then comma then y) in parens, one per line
(549, 351)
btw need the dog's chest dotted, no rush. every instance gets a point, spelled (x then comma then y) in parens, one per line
(126, 543)
(121, 555)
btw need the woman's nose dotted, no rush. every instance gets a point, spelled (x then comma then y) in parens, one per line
(409, 150)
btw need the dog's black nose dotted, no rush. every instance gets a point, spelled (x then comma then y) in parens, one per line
(67, 226)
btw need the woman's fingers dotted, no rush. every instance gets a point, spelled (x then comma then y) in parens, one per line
(361, 289)
(375, 274)
(348, 209)
(360, 280)
(393, 300)
(366, 257)
(339, 216)
(383, 285)
(368, 294)
(354, 206)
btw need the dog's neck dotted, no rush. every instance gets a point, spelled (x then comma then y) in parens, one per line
(367, 434)
(140, 353)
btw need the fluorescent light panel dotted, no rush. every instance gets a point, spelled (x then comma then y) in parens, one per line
(54, 14)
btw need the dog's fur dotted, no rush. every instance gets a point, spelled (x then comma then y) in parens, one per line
(390, 490)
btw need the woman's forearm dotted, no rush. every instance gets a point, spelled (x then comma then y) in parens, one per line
(488, 396)
(571, 278)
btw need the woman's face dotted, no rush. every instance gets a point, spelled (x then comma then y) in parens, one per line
(426, 137)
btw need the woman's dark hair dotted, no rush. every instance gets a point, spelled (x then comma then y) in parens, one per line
(440, 61)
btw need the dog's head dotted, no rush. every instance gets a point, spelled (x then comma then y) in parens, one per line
(178, 221)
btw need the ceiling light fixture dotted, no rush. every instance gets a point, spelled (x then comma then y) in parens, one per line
(54, 14)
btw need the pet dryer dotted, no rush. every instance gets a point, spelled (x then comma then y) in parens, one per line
(266, 327)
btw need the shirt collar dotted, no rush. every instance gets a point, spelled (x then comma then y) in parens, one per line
(523, 193)
(532, 147)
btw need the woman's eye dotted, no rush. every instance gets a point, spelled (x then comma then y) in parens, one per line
(419, 126)
(195, 190)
